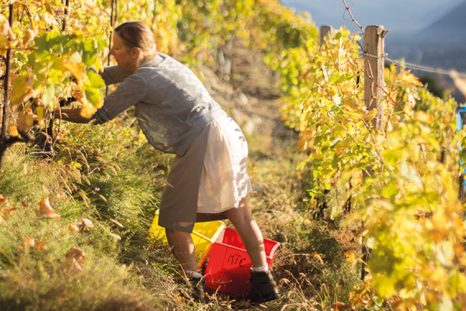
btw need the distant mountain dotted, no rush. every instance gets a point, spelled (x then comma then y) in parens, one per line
(450, 28)
(398, 16)
(441, 44)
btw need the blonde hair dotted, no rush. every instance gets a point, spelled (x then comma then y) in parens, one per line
(138, 35)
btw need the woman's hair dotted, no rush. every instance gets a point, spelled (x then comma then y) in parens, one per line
(138, 35)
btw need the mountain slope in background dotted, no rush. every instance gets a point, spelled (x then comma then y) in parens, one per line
(398, 16)
(450, 28)
(442, 44)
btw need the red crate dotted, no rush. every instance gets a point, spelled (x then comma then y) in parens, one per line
(227, 266)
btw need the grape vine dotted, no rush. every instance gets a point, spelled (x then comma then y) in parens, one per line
(401, 181)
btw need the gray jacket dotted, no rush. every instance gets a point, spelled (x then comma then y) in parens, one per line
(172, 105)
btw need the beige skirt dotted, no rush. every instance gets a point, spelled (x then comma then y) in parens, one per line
(209, 179)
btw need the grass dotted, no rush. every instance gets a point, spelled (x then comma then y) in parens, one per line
(119, 189)
(36, 271)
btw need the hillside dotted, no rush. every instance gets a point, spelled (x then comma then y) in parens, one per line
(447, 29)
(442, 44)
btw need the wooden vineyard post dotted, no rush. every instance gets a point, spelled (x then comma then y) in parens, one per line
(374, 89)
(374, 59)
(324, 31)
(6, 94)
(65, 15)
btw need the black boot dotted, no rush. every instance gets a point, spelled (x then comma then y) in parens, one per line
(197, 289)
(263, 287)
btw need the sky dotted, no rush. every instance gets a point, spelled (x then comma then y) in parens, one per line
(398, 16)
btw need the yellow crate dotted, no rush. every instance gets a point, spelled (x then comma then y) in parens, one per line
(204, 234)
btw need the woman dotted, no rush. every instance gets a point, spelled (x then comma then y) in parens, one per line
(208, 179)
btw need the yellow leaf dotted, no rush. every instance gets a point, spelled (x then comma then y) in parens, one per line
(13, 130)
(305, 141)
(25, 121)
(6, 34)
(76, 58)
(423, 117)
(78, 95)
(21, 90)
(409, 78)
(77, 70)
(88, 111)
(318, 257)
(350, 257)
(28, 37)
(40, 112)
(370, 115)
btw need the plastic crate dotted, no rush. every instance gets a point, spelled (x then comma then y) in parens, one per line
(227, 266)
(203, 235)
(460, 124)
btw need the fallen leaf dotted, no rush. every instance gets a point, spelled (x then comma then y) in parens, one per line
(28, 242)
(76, 256)
(3, 199)
(73, 228)
(76, 253)
(351, 258)
(6, 212)
(115, 236)
(119, 225)
(318, 257)
(180, 300)
(85, 225)
(5, 209)
(337, 306)
(243, 304)
(76, 265)
(39, 245)
(46, 210)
